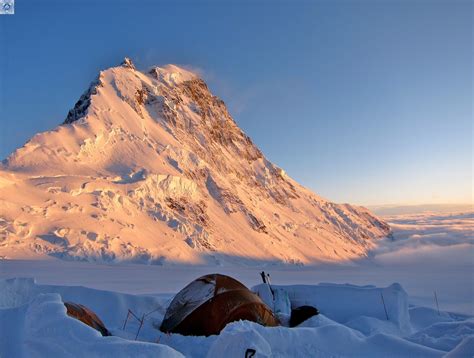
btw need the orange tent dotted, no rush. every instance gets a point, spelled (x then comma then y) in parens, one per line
(85, 315)
(209, 303)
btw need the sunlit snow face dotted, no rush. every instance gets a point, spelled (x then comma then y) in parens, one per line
(151, 168)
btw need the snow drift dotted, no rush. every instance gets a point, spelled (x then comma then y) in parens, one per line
(150, 167)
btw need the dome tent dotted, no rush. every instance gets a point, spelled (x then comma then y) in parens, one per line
(87, 316)
(209, 303)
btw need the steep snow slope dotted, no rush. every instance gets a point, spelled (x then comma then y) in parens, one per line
(150, 167)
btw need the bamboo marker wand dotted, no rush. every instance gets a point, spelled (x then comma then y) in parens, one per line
(436, 300)
(384, 307)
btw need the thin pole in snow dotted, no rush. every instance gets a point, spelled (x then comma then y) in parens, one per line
(126, 320)
(436, 300)
(130, 313)
(384, 307)
(140, 327)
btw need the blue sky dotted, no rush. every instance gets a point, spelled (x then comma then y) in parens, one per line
(367, 102)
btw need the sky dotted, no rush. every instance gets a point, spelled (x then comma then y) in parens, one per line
(367, 102)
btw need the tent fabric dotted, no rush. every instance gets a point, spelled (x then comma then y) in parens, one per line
(301, 314)
(206, 305)
(85, 315)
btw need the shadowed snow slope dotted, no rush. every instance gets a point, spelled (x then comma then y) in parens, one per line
(150, 167)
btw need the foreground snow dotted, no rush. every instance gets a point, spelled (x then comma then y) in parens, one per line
(352, 323)
(41, 328)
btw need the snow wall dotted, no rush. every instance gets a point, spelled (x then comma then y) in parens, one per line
(344, 302)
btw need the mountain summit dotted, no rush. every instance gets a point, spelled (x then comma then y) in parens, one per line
(150, 167)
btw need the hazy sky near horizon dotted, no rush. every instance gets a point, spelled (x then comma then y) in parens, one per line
(368, 102)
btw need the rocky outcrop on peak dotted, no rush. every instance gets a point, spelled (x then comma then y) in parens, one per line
(128, 63)
(80, 108)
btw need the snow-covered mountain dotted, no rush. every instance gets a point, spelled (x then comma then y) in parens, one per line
(150, 167)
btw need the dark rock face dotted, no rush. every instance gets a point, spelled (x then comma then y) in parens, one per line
(80, 108)
(217, 122)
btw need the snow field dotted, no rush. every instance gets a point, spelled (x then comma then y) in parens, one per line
(352, 323)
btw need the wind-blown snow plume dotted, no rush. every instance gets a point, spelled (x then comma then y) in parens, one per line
(151, 167)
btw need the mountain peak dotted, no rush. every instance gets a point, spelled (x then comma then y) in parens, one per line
(150, 167)
(126, 82)
(127, 62)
